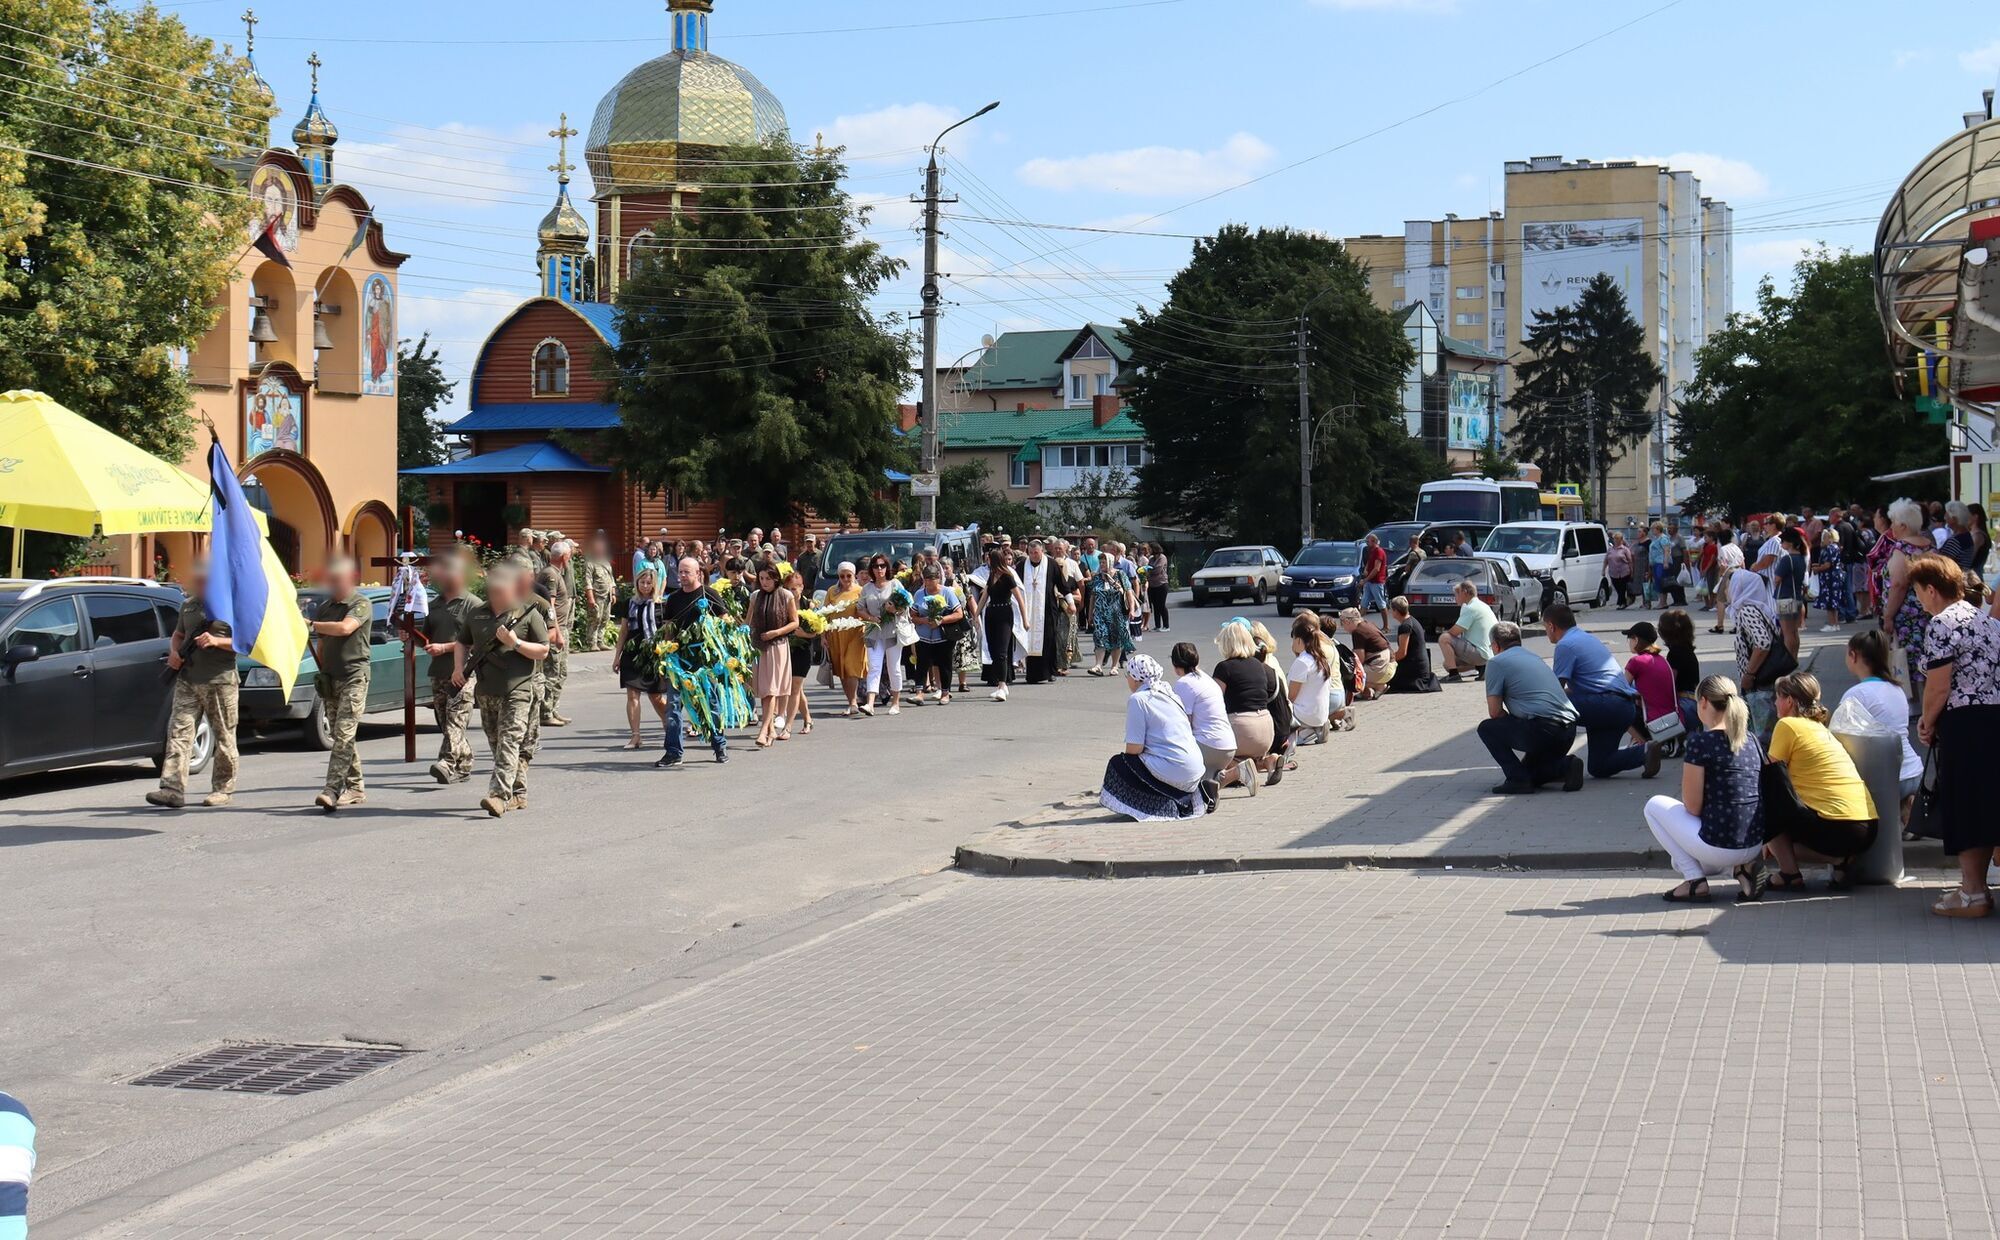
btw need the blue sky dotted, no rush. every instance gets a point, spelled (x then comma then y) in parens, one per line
(1805, 117)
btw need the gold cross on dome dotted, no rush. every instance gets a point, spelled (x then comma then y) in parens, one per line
(249, 31)
(562, 133)
(315, 62)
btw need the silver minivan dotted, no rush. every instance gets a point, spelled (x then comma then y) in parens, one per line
(1570, 552)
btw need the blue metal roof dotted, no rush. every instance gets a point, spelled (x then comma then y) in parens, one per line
(539, 415)
(895, 475)
(527, 458)
(600, 315)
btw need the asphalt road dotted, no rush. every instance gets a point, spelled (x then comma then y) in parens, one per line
(133, 936)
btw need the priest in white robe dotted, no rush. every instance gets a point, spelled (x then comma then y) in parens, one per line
(1040, 584)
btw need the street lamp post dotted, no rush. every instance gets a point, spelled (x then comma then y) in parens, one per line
(932, 299)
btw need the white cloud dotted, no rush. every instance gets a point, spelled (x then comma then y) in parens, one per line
(896, 133)
(1981, 59)
(1154, 169)
(458, 323)
(417, 170)
(1772, 255)
(1721, 176)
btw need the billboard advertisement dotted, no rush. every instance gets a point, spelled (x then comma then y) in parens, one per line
(1559, 257)
(1470, 411)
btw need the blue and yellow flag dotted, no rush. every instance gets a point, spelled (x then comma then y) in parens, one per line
(248, 588)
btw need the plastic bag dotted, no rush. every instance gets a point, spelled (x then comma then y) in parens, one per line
(1850, 718)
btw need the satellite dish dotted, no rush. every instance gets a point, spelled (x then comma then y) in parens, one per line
(986, 341)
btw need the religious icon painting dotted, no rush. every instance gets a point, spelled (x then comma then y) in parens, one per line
(273, 417)
(271, 188)
(378, 338)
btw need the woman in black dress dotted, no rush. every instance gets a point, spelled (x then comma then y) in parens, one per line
(1003, 597)
(632, 660)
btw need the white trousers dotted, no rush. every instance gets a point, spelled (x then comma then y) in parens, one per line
(1679, 833)
(887, 658)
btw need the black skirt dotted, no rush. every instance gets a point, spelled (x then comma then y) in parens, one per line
(1967, 738)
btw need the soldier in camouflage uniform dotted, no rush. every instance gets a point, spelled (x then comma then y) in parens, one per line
(555, 584)
(202, 651)
(503, 644)
(524, 563)
(340, 631)
(451, 703)
(600, 594)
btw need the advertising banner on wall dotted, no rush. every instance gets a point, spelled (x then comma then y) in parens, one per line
(1559, 257)
(1470, 411)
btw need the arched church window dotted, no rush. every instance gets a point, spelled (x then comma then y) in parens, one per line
(551, 369)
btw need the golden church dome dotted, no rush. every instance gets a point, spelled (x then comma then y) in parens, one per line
(687, 98)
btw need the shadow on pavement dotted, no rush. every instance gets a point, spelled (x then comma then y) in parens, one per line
(17, 837)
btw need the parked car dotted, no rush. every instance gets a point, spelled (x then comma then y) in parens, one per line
(1325, 576)
(260, 701)
(1237, 572)
(82, 661)
(1536, 588)
(1571, 552)
(1436, 607)
(1435, 537)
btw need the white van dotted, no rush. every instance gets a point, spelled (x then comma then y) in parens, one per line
(1571, 552)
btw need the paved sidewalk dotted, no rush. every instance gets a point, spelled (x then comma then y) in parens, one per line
(1409, 787)
(1273, 1055)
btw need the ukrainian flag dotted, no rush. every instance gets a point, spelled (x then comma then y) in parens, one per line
(248, 589)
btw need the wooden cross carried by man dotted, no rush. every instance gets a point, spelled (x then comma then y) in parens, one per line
(404, 619)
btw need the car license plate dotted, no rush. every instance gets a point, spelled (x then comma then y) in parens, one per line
(1312, 593)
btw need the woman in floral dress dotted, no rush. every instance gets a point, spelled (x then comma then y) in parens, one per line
(1830, 567)
(1902, 613)
(1110, 612)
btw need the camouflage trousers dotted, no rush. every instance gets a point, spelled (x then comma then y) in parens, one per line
(512, 729)
(453, 709)
(554, 672)
(193, 703)
(590, 629)
(345, 705)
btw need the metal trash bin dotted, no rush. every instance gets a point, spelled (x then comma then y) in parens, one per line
(1878, 757)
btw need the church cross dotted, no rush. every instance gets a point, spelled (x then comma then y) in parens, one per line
(562, 133)
(314, 61)
(249, 32)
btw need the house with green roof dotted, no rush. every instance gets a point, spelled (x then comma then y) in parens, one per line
(1032, 455)
(1065, 368)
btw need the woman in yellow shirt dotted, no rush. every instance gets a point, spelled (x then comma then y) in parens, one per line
(844, 648)
(1826, 810)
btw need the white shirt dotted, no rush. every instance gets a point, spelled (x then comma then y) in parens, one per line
(1154, 722)
(1773, 547)
(1201, 697)
(1310, 708)
(1887, 706)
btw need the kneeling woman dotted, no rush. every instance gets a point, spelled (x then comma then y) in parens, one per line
(1824, 807)
(1158, 777)
(1719, 821)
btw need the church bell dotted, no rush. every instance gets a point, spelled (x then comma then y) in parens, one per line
(261, 330)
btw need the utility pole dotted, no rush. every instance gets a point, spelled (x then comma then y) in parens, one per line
(933, 299)
(1661, 437)
(1305, 437)
(1595, 474)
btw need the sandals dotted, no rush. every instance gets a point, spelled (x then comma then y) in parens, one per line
(1786, 880)
(1751, 881)
(1842, 878)
(1960, 903)
(634, 743)
(1693, 891)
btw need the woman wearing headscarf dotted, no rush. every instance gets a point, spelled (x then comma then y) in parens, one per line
(1728, 562)
(774, 617)
(846, 654)
(1110, 604)
(1902, 614)
(1157, 778)
(632, 660)
(1761, 654)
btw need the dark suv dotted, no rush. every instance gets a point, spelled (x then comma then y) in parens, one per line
(1324, 576)
(81, 660)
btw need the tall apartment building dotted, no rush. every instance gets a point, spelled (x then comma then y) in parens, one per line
(1484, 277)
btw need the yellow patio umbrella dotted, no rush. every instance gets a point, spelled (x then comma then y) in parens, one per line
(63, 474)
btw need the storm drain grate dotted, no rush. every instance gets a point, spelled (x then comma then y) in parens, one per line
(272, 1067)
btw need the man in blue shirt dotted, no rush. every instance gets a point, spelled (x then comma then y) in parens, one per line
(1527, 713)
(1606, 704)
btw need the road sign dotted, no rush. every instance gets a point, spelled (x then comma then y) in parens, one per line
(926, 527)
(923, 484)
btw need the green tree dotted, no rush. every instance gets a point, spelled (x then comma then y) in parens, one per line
(1589, 391)
(1217, 391)
(1095, 502)
(750, 368)
(1796, 403)
(968, 497)
(118, 236)
(421, 390)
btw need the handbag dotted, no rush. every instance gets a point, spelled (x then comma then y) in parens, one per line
(1667, 727)
(1924, 815)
